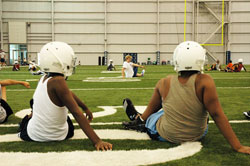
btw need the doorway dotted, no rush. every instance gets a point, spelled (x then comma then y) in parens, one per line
(18, 53)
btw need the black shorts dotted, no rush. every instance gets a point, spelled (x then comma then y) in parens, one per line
(24, 134)
(2, 60)
(7, 108)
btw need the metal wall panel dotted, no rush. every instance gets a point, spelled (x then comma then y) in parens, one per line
(130, 26)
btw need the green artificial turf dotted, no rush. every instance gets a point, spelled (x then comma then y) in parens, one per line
(233, 91)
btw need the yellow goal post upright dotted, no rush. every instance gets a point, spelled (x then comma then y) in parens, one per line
(222, 28)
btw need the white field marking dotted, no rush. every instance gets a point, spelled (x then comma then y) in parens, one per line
(108, 89)
(111, 72)
(110, 79)
(119, 123)
(107, 110)
(75, 124)
(95, 158)
(102, 133)
(29, 80)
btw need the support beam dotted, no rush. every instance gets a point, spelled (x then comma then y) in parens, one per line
(52, 21)
(158, 59)
(212, 12)
(1, 23)
(212, 34)
(105, 34)
(211, 55)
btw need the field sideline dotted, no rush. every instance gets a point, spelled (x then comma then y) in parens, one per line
(233, 90)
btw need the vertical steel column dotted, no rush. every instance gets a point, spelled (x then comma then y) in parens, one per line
(52, 21)
(1, 22)
(105, 33)
(229, 25)
(197, 20)
(193, 22)
(158, 57)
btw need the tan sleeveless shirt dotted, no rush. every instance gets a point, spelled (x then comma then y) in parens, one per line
(184, 118)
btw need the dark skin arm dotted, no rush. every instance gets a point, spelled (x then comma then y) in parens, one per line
(214, 108)
(155, 102)
(62, 96)
(89, 114)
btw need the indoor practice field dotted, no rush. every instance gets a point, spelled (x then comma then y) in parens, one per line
(233, 91)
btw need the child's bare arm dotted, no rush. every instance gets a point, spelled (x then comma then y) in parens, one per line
(14, 82)
(214, 108)
(67, 99)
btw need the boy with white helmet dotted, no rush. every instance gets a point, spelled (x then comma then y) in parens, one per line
(53, 99)
(185, 100)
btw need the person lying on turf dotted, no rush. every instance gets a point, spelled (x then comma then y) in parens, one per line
(178, 110)
(5, 109)
(53, 99)
(239, 66)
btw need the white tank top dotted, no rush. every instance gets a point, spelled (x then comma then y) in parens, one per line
(48, 122)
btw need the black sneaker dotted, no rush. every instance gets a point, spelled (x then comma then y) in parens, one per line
(247, 114)
(130, 109)
(136, 124)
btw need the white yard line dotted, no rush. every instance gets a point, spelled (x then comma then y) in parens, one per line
(95, 158)
(111, 72)
(102, 133)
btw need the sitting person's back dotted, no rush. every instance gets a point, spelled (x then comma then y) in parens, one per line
(229, 67)
(185, 118)
(49, 121)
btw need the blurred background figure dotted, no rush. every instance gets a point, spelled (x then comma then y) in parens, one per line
(111, 66)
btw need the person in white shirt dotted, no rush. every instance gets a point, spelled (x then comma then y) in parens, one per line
(53, 99)
(129, 69)
(2, 55)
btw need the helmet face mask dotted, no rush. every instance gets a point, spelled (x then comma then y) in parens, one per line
(57, 57)
(189, 56)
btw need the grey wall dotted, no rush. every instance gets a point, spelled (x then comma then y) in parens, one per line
(141, 26)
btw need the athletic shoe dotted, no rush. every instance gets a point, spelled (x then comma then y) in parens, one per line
(130, 109)
(136, 124)
(142, 72)
(247, 114)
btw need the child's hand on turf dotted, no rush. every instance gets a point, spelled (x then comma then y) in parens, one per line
(89, 115)
(101, 145)
(244, 149)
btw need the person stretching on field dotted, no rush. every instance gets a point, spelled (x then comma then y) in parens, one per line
(53, 99)
(128, 68)
(184, 102)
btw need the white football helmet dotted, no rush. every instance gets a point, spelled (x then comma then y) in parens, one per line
(189, 56)
(240, 60)
(57, 57)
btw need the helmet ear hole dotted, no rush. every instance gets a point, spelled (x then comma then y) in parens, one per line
(68, 67)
